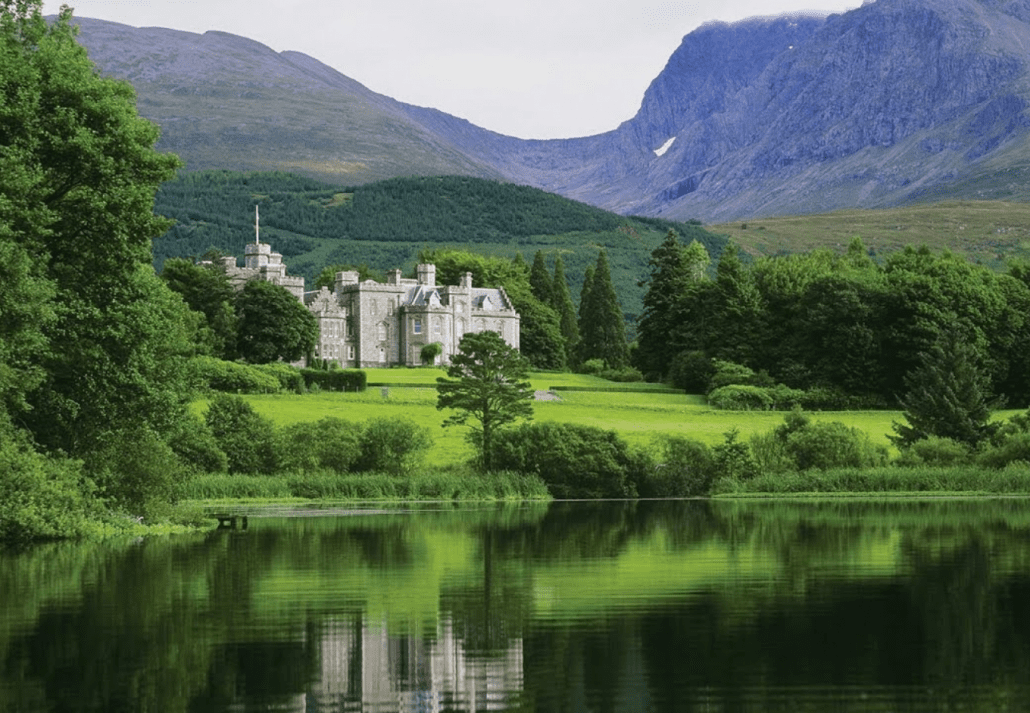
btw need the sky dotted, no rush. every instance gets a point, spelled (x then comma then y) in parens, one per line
(539, 69)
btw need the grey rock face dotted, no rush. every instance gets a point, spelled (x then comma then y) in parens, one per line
(896, 101)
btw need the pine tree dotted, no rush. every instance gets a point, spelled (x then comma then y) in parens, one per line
(602, 326)
(947, 394)
(673, 269)
(540, 280)
(562, 304)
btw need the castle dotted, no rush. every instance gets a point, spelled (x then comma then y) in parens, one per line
(371, 324)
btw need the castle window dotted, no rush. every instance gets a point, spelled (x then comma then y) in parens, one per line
(416, 326)
(382, 331)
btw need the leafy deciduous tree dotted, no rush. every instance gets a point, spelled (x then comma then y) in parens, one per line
(272, 324)
(488, 384)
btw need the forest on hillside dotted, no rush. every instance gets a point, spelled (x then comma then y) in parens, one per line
(385, 224)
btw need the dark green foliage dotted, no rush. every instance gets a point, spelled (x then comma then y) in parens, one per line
(136, 471)
(392, 445)
(40, 497)
(733, 458)
(574, 461)
(741, 397)
(197, 448)
(247, 438)
(329, 444)
(685, 468)
(691, 371)
(540, 280)
(336, 379)
(232, 377)
(561, 303)
(289, 377)
(487, 384)
(272, 324)
(602, 327)
(430, 352)
(937, 452)
(673, 271)
(206, 289)
(947, 395)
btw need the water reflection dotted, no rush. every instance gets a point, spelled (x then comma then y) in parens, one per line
(654, 606)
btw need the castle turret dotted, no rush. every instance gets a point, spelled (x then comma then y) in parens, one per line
(427, 275)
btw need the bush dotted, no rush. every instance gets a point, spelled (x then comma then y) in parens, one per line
(738, 397)
(691, 371)
(733, 459)
(935, 451)
(246, 438)
(197, 448)
(685, 468)
(574, 461)
(801, 444)
(626, 374)
(135, 471)
(40, 497)
(289, 378)
(329, 444)
(232, 377)
(335, 379)
(1010, 449)
(392, 445)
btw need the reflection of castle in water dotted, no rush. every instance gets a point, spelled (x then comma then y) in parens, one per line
(365, 668)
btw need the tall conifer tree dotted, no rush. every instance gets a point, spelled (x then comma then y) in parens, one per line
(540, 279)
(602, 326)
(562, 304)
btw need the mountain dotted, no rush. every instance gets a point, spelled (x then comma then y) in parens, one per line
(895, 102)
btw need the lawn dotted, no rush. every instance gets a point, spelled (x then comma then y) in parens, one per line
(637, 416)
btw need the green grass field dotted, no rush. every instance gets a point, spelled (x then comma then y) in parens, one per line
(638, 417)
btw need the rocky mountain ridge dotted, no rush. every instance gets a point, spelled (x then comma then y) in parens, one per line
(894, 102)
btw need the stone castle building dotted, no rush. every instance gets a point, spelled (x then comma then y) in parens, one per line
(372, 324)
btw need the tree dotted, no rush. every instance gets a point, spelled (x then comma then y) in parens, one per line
(488, 384)
(273, 324)
(947, 394)
(602, 326)
(78, 174)
(561, 301)
(671, 273)
(540, 279)
(206, 289)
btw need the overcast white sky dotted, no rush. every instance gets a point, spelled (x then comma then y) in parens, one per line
(526, 68)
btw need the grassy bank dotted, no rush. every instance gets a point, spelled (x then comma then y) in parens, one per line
(911, 481)
(439, 485)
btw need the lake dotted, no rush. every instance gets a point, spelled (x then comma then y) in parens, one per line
(779, 605)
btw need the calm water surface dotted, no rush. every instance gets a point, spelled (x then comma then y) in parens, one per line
(651, 606)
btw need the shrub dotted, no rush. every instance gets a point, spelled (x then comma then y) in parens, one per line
(136, 471)
(739, 397)
(732, 458)
(335, 379)
(246, 438)
(331, 444)
(574, 461)
(232, 377)
(691, 371)
(728, 373)
(833, 445)
(685, 468)
(392, 445)
(197, 448)
(289, 378)
(935, 451)
(40, 497)
(1011, 448)
(626, 374)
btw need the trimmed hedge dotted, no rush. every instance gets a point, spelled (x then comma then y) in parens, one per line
(233, 377)
(335, 379)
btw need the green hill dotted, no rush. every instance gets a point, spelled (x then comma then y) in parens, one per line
(988, 232)
(385, 224)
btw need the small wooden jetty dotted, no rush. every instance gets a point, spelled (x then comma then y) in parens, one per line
(230, 521)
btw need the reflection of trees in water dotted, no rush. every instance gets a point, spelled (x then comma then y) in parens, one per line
(917, 597)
